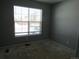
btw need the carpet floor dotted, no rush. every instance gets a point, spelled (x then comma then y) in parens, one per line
(43, 49)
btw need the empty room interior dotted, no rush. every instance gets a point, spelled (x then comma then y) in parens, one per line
(39, 29)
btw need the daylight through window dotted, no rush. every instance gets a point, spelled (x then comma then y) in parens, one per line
(27, 21)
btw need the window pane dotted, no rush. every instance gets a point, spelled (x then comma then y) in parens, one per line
(21, 20)
(20, 13)
(17, 13)
(34, 28)
(17, 10)
(21, 26)
(35, 14)
(35, 20)
(24, 14)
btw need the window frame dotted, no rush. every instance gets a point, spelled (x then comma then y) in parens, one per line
(40, 22)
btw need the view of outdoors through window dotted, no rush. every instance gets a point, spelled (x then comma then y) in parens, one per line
(27, 21)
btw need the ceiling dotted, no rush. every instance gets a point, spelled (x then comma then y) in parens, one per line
(49, 1)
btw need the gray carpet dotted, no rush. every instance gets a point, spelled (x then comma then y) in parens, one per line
(43, 49)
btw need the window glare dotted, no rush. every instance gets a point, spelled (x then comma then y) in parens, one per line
(27, 21)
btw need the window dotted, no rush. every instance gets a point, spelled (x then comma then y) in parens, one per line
(27, 21)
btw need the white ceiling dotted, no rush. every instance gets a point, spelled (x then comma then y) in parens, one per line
(49, 1)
